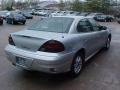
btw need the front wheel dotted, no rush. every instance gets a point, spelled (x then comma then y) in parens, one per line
(77, 65)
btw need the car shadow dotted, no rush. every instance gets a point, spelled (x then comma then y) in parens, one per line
(44, 79)
(97, 55)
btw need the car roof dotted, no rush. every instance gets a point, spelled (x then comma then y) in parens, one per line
(74, 17)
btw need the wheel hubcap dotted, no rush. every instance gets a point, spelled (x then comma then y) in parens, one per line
(78, 65)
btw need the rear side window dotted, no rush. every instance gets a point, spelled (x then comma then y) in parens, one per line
(84, 26)
(94, 24)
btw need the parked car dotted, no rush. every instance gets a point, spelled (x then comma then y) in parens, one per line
(56, 13)
(75, 14)
(65, 13)
(3, 14)
(41, 13)
(84, 13)
(69, 13)
(47, 45)
(110, 18)
(27, 15)
(94, 15)
(13, 18)
(118, 20)
(104, 18)
(1, 20)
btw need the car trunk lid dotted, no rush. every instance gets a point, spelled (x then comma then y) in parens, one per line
(33, 40)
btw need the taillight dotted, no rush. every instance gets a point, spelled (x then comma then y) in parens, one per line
(52, 46)
(11, 42)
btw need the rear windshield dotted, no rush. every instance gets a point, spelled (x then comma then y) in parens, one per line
(17, 14)
(53, 24)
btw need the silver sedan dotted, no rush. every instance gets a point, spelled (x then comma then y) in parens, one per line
(57, 44)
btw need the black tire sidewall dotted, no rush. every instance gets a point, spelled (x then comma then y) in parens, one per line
(106, 47)
(23, 23)
(72, 73)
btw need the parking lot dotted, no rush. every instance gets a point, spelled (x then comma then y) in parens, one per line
(101, 72)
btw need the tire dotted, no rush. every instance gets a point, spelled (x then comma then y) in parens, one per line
(77, 65)
(107, 45)
(111, 20)
(23, 23)
(7, 21)
(12, 22)
(118, 22)
(1, 23)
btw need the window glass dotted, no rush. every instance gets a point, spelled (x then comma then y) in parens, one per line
(84, 26)
(94, 24)
(54, 24)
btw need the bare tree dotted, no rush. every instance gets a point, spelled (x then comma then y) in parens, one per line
(3, 2)
(62, 5)
(76, 5)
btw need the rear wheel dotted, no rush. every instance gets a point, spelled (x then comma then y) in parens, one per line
(107, 45)
(24, 23)
(1, 23)
(7, 21)
(119, 22)
(111, 20)
(12, 22)
(77, 65)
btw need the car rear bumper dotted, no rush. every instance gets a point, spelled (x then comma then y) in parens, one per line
(40, 61)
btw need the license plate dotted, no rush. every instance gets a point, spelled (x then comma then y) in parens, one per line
(20, 61)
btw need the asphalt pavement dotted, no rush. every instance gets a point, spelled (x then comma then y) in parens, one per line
(102, 72)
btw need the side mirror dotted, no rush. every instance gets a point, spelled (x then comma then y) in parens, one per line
(102, 28)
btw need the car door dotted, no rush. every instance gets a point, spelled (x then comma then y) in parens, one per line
(89, 36)
(9, 17)
(101, 33)
(12, 16)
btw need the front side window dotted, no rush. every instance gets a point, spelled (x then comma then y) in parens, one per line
(84, 26)
(53, 24)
